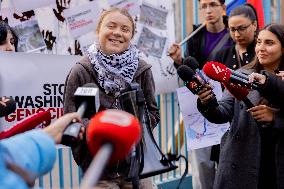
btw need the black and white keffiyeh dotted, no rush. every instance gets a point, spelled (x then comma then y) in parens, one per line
(115, 70)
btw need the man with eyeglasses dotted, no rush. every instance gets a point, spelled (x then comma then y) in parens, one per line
(203, 46)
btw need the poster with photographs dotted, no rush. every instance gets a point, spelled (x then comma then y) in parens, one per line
(113, 2)
(30, 37)
(26, 5)
(151, 44)
(155, 17)
(133, 6)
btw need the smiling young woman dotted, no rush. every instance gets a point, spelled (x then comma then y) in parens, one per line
(112, 63)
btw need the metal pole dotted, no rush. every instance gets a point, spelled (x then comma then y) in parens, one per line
(97, 166)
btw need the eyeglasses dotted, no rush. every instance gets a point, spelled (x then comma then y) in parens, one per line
(211, 5)
(241, 29)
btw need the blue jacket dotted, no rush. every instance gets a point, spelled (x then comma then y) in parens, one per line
(33, 151)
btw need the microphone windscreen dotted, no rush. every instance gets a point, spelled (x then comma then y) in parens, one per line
(217, 71)
(7, 106)
(117, 127)
(191, 62)
(239, 92)
(185, 73)
(28, 123)
(90, 85)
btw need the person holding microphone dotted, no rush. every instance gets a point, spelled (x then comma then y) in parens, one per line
(251, 150)
(112, 63)
(26, 156)
(203, 44)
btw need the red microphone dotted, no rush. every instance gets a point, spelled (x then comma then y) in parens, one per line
(239, 92)
(111, 134)
(27, 124)
(219, 72)
(117, 127)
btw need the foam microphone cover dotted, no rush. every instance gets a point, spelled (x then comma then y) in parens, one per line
(191, 62)
(117, 127)
(217, 71)
(185, 73)
(7, 106)
(27, 124)
(239, 92)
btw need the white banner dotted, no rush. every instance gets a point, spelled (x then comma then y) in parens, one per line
(26, 5)
(35, 81)
(199, 131)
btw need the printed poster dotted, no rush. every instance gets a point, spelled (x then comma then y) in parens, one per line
(199, 131)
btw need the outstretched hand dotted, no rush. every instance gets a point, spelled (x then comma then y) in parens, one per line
(262, 113)
(175, 53)
(56, 129)
(206, 94)
(281, 74)
(257, 77)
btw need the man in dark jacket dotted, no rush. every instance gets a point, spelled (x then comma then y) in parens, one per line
(202, 46)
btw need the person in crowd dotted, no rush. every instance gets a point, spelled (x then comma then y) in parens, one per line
(203, 46)
(26, 156)
(112, 63)
(271, 86)
(8, 38)
(252, 149)
(243, 28)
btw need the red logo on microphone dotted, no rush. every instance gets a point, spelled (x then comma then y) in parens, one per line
(192, 84)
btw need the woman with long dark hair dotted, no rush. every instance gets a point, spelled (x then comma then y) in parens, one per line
(252, 149)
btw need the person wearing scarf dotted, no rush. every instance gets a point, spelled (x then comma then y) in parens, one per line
(111, 63)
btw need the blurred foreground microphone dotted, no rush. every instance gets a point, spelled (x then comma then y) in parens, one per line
(110, 137)
(7, 106)
(194, 82)
(219, 72)
(87, 103)
(28, 123)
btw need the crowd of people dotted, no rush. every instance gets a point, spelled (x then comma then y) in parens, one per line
(250, 153)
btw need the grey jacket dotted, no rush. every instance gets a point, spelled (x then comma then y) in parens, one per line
(81, 73)
(240, 154)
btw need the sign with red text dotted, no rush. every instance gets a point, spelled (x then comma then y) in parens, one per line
(35, 81)
(83, 19)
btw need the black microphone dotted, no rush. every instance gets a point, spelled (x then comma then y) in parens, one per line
(194, 82)
(194, 65)
(7, 106)
(87, 103)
